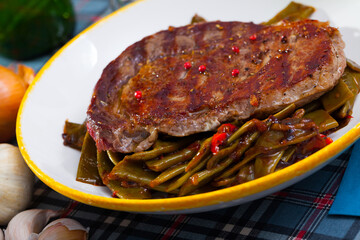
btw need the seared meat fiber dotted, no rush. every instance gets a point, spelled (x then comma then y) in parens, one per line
(278, 65)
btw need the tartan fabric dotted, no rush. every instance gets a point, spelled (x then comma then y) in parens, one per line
(298, 212)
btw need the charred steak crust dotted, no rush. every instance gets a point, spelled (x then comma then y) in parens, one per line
(278, 65)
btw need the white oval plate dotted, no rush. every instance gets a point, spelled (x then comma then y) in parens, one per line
(63, 88)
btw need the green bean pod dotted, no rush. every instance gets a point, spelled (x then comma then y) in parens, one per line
(133, 171)
(182, 179)
(289, 152)
(74, 134)
(105, 166)
(351, 78)
(223, 153)
(242, 130)
(296, 140)
(224, 182)
(352, 65)
(322, 119)
(200, 178)
(168, 174)
(286, 112)
(203, 152)
(269, 140)
(242, 149)
(292, 12)
(115, 157)
(183, 155)
(334, 99)
(160, 150)
(239, 152)
(87, 169)
(313, 106)
(266, 164)
(346, 109)
(246, 173)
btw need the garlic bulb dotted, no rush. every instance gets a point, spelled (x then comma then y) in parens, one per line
(63, 228)
(27, 222)
(16, 182)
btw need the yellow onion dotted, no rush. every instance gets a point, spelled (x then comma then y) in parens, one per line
(12, 90)
(26, 73)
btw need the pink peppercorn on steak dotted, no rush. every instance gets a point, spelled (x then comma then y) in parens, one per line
(191, 79)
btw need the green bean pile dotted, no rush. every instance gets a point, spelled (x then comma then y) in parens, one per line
(204, 162)
(188, 165)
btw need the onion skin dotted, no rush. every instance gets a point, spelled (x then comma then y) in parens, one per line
(12, 90)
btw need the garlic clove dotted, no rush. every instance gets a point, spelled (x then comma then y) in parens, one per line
(1, 234)
(16, 182)
(27, 222)
(64, 228)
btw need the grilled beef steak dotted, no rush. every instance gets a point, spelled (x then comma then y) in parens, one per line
(149, 89)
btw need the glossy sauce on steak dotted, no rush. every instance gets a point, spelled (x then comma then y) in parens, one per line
(277, 65)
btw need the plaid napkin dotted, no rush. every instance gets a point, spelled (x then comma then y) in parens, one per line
(347, 200)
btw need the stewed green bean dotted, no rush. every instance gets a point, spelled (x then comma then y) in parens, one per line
(133, 171)
(336, 97)
(183, 155)
(87, 170)
(223, 153)
(105, 166)
(200, 178)
(266, 164)
(183, 178)
(240, 151)
(168, 174)
(292, 12)
(156, 152)
(74, 134)
(115, 157)
(203, 152)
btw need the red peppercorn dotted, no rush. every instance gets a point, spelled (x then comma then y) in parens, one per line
(252, 37)
(235, 72)
(235, 49)
(349, 116)
(187, 65)
(138, 95)
(202, 68)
